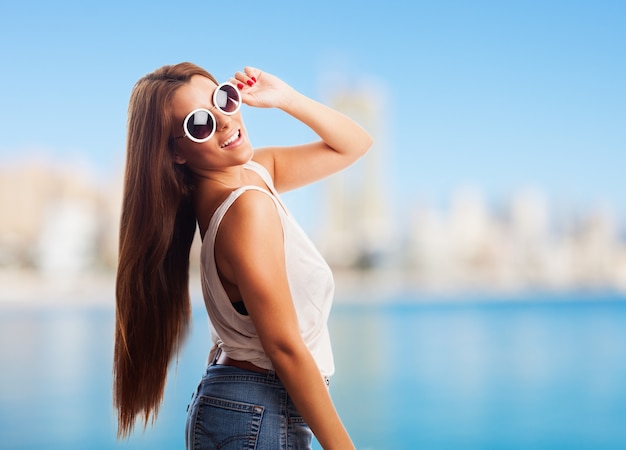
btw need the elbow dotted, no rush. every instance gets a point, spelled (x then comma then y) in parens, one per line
(367, 144)
(286, 353)
(363, 145)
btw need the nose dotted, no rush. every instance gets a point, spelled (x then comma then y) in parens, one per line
(222, 121)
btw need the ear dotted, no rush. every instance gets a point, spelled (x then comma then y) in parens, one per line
(179, 159)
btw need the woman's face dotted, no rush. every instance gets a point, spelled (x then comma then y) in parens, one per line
(229, 145)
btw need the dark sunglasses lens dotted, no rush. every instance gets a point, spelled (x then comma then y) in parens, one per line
(200, 125)
(227, 99)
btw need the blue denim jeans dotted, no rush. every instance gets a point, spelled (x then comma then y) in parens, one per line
(235, 409)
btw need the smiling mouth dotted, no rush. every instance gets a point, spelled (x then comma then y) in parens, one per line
(231, 139)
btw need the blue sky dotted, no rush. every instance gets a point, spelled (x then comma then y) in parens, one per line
(495, 94)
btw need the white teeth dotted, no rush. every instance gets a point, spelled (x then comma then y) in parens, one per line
(232, 139)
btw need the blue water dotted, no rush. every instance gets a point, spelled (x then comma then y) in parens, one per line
(541, 372)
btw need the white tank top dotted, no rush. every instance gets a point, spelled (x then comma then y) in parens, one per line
(310, 282)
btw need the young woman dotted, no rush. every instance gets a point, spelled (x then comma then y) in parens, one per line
(267, 291)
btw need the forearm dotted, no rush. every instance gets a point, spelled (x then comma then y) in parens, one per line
(300, 375)
(338, 131)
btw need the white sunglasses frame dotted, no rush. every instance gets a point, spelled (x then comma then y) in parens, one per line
(208, 111)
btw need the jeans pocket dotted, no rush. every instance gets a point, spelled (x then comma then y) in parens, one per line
(225, 424)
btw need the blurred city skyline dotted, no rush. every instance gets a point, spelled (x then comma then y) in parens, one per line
(58, 236)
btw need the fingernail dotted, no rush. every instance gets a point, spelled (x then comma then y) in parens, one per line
(250, 82)
(240, 86)
(253, 79)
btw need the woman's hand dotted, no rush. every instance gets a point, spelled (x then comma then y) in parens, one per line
(262, 89)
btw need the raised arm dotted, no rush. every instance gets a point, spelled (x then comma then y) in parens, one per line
(250, 255)
(342, 142)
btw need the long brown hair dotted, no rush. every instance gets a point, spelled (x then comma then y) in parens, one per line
(156, 232)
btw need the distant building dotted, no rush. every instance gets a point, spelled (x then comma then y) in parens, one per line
(55, 220)
(357, 232)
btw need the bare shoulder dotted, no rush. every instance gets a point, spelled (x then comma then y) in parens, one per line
(254, 214)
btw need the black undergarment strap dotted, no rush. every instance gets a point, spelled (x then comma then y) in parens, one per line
(240, 308)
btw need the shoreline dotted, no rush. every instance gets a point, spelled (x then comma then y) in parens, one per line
(23, 289)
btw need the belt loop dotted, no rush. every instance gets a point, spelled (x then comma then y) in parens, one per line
(271, 375)
(218, 353)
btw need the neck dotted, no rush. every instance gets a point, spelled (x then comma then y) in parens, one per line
(231, 177)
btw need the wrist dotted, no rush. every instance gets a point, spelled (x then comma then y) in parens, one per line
(290, 100)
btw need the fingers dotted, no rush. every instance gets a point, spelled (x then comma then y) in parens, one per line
(246, 78)
(252, 71)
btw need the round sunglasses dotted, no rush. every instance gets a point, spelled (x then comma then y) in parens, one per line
(200, 125)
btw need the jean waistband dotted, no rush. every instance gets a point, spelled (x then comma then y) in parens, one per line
(222, 359)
